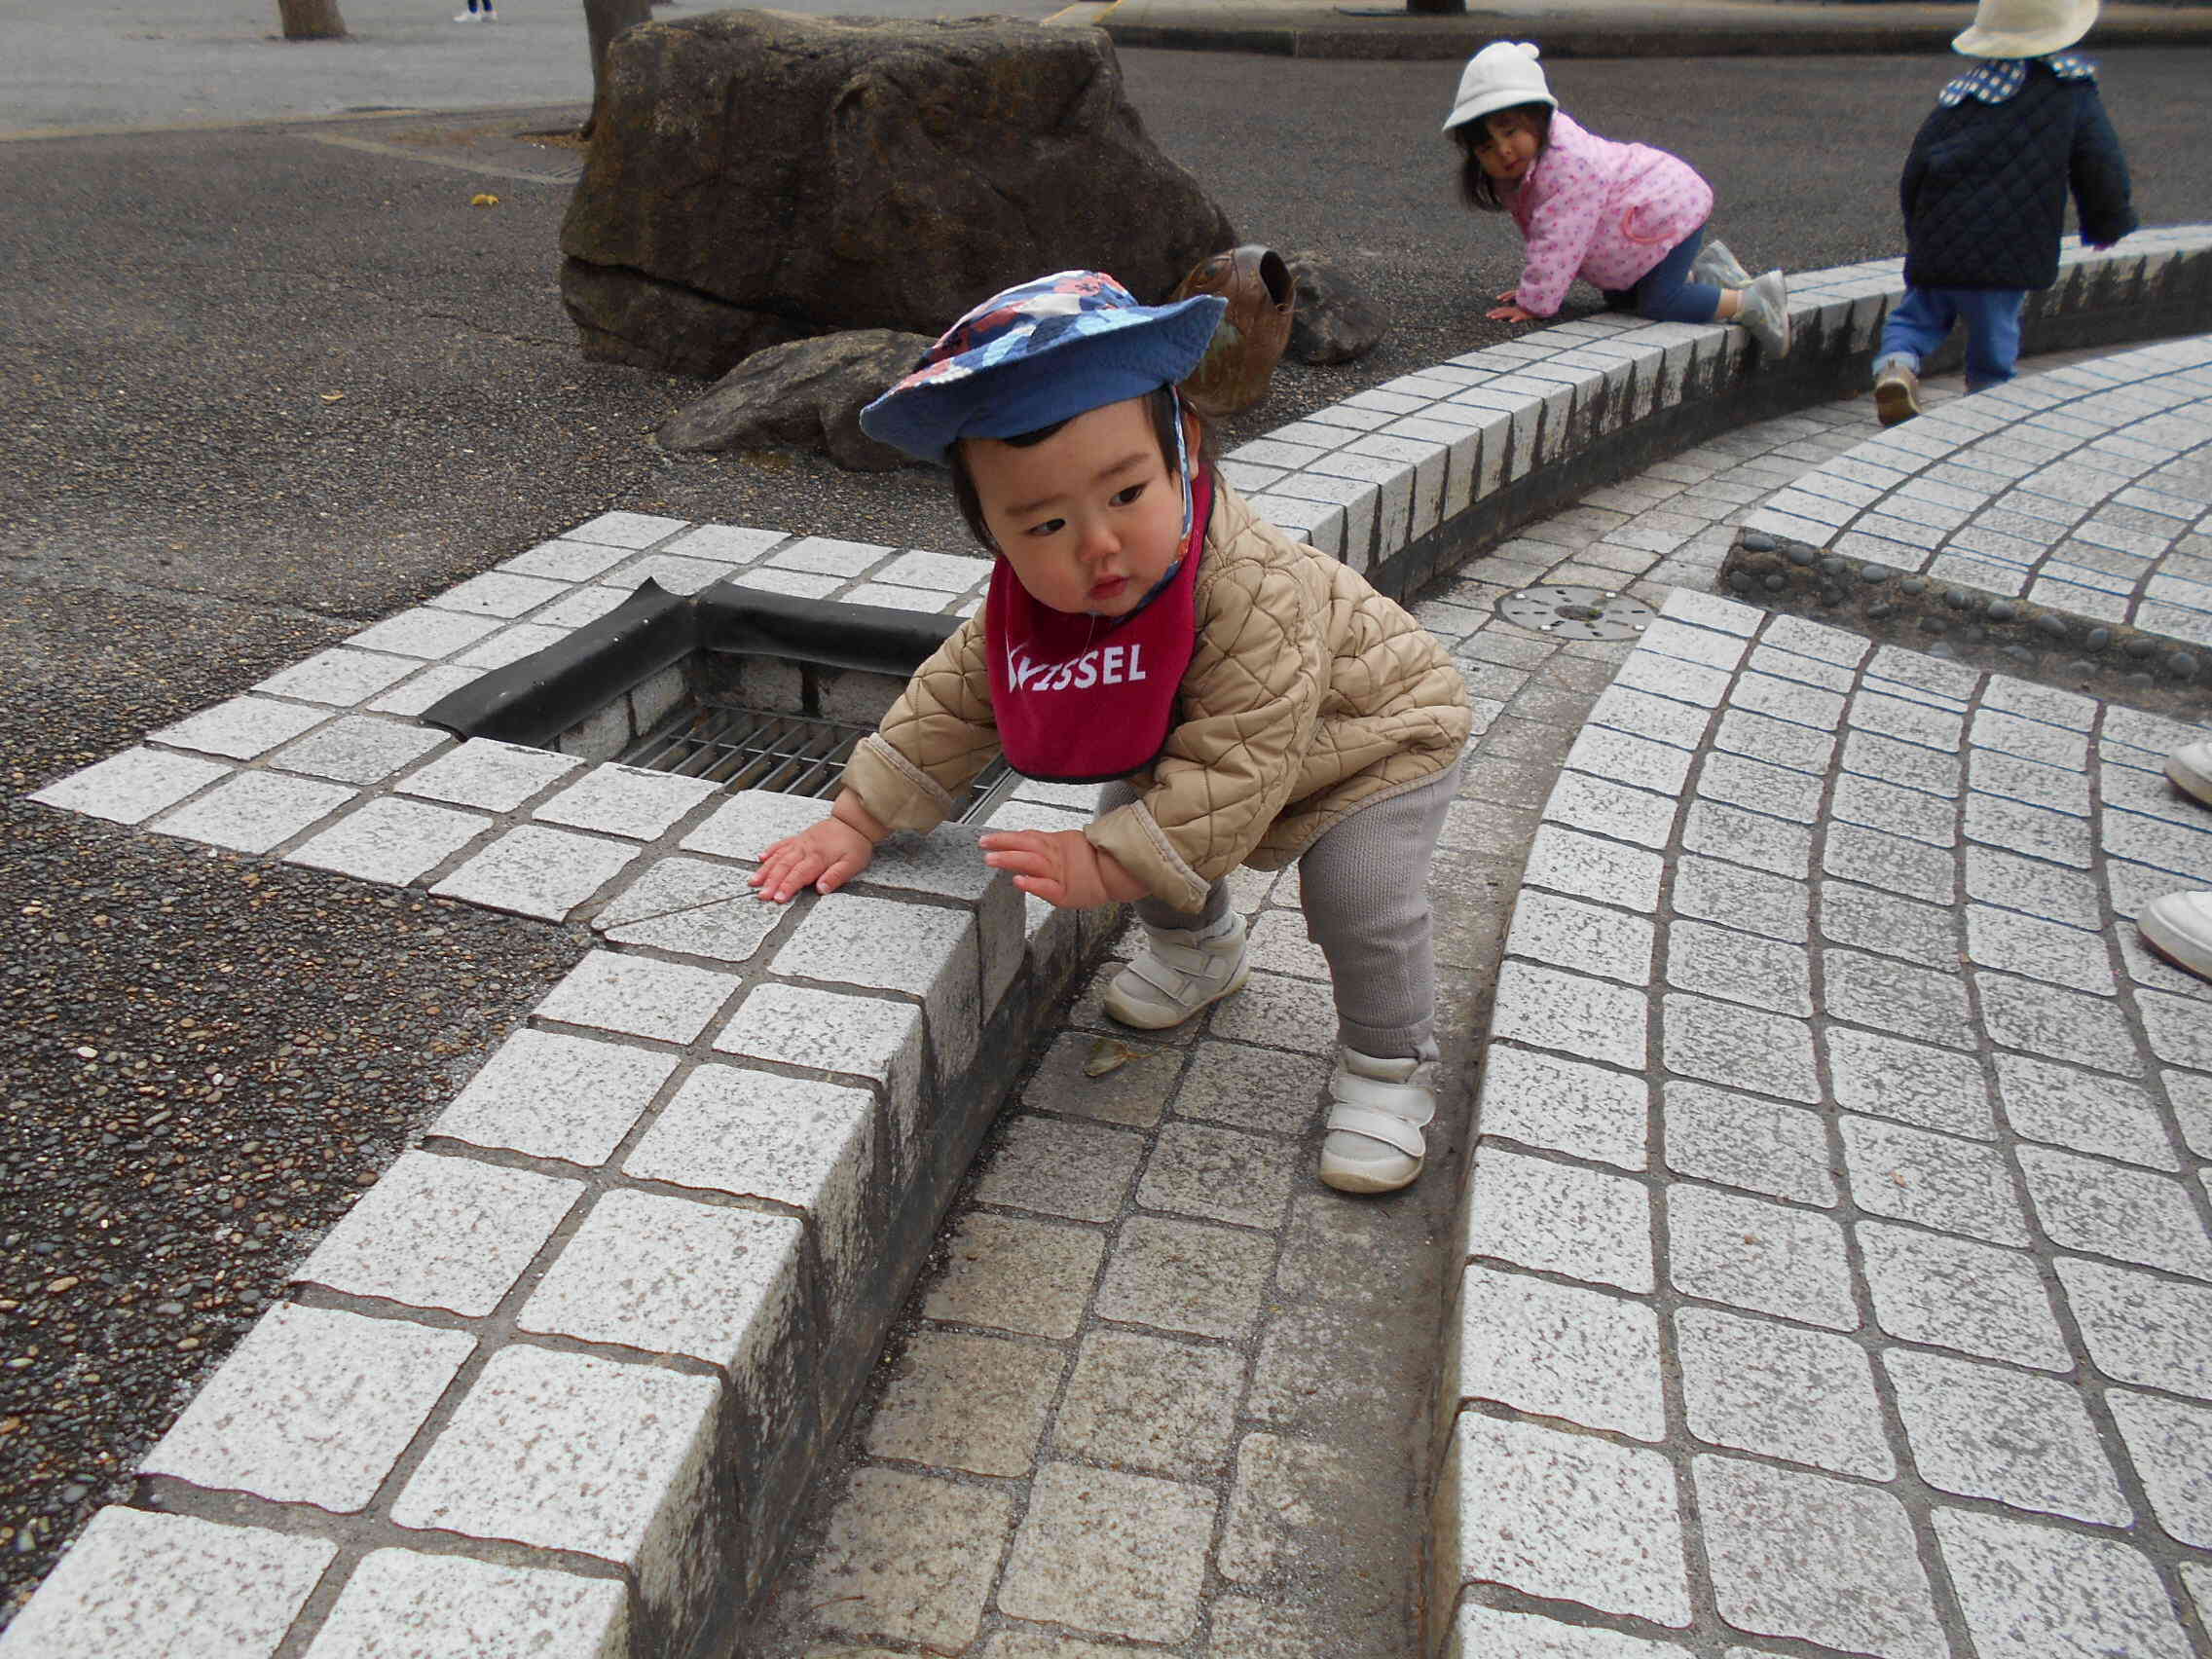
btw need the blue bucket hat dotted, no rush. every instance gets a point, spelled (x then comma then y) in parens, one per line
(1040, 352)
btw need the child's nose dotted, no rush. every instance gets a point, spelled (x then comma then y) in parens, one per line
(1099, 542)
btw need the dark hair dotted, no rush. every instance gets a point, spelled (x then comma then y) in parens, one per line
(1163, 406)
(1476, 187)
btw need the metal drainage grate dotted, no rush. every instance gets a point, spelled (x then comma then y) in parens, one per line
(1576, 612)
(799, 754)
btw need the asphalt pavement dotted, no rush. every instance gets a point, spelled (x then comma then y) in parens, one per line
(275, 372)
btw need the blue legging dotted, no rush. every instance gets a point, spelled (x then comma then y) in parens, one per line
(1666, 293)
(1924, 315)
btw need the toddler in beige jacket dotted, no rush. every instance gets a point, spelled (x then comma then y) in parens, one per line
(1242, 698)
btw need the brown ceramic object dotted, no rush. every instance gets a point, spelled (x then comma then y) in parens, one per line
(1235, 372)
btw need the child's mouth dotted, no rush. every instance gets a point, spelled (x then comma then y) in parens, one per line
(1110, 588)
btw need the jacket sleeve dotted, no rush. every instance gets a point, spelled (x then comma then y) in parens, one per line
(1562, 223)
(938, 736)
(1245, 714)
(2098, 168)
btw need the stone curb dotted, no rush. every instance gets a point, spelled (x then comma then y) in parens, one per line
(506, 1381)
(1989, 531)
(1428, 39)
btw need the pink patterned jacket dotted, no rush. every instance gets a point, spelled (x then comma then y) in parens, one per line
(1603, 211)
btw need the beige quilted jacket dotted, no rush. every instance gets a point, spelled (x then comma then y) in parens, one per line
(1310, 695)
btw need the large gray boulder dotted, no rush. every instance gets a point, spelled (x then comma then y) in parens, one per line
(760, 176)
(808, 394)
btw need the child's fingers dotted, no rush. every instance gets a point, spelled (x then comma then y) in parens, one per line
(1042, 887)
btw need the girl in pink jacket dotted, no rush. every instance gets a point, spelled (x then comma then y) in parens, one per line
(1627, 218)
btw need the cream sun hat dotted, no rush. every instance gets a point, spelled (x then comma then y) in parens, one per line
(2025, 28)
(1505, 73)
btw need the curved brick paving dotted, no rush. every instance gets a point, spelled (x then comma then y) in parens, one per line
(2086, 488)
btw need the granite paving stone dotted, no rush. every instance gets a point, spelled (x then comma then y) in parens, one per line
(2088, 1204)
(1219, 1175)
(1888, 1077)
(1750, 1253)
(667, 1275)
(1584, 1111)
(2059, 1024)
(1282, 1520)
(391, 840)
(1987, 1431)
(2031, 1592)
(1895, 997)
(131, 787)
(1079, 1170)
(759, 1135)
(540, 872)
(1560, 1352)
(1727, 1044)
(244, 728)
(1749, 838)
(337, 677)
(553, 1095)
(1589, 867)
(671, 1002)
(1149, 1403)
(118, 1591)
(358, 749)
(2034, 887)
(1009, 1274)
(911, 1556)
(1802, 1397)
(1740, 968)
(1935, 1181)
(1568, 1517)
(255, 812)
(451, 1603)
(436, 1232)
(1949, 1293)
(1808, 1556)
(1578, 1016)
(1741, 898)
(1738, 1140)
(1492, 1633)
(626, 801)
(1560, 1218)
(2170, 1445)
(1117, 1554)
(1617, 810)
(1235, 1084)
(2142, 1328)
(1186, 1276)
(1889, 864)
(489, 775)
(974, 1403)
(313, 1406)
(1585, 939)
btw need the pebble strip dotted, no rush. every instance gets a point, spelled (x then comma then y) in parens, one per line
(395, 1392)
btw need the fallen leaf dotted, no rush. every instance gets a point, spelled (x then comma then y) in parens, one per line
(1109, 1055)
(332, 396)
(481, 200)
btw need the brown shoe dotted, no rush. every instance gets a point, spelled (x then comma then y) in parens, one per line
(1896, 394)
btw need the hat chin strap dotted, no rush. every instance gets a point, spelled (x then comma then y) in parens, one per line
(1182, 462)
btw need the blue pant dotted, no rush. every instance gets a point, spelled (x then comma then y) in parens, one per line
(1666, 293)
(1992, 316)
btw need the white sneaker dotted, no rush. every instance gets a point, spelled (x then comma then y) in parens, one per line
(1764, 309)
(1182, 970)
(1379, 1110)
(2191, 768)
(2179, 925)
(465, 17)
(1715, 264)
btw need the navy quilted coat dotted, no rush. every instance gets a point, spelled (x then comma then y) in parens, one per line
(1984, 189)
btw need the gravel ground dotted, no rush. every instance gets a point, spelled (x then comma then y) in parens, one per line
(204, 1055)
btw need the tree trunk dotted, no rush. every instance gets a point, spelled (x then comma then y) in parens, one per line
(603, 20)
(311, 20)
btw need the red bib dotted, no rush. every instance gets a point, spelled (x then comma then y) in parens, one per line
(1087, 699)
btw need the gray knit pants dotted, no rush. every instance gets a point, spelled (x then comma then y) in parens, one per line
(1364, 885)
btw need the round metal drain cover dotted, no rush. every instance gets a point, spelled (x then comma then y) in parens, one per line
(1576, 612)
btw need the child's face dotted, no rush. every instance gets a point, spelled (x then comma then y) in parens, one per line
(1507, 145)
(1091, 517)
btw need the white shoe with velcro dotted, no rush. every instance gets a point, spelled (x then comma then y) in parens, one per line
(2191, 768)
(1181, 971)
(1377, 1110)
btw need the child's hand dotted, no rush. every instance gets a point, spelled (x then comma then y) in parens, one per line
(828, 854)
(1511, 296)
(1060, 866)
(1511, 313)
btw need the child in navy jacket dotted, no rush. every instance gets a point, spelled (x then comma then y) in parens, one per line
(1984, 193)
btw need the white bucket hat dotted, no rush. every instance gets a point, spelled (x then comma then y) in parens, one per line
(1505, 73)
(2025, 28)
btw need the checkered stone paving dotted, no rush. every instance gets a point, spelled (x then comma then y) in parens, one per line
(1875, 1313)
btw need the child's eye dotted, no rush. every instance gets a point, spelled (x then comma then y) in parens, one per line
(1050, 527)
(1127, 497)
